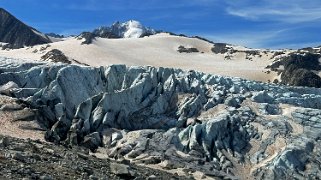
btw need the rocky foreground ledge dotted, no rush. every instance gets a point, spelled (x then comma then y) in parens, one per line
(30, 159)
(179, 121)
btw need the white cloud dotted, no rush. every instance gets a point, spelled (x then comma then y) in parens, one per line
(289, 11)
(252, 39)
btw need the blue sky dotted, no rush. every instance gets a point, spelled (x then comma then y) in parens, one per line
(257, 24)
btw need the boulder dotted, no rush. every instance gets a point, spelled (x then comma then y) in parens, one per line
(120, 169)
(92, 141)
(4, 142)
(7, 88)
(263, 97)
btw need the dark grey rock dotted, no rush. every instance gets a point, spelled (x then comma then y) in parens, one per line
(269, 109)
(298, 69)
(263, 97)
(120, 169)
(56, 55)
(54, 35)
(220, 48)
(92, 141)
(116, 31)
(300, 77)
(182, 49)
(17, 34)
(234, 101)
(88, 36)
(4, 142)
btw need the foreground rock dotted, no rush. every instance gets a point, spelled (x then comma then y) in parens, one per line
(38, 160)
(193, 123)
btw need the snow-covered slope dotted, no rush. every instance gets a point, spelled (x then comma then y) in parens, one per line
(158, 50)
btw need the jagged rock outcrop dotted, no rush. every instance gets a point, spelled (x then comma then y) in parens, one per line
(298, 69)
(54, 35)
(190, 121)
(300, 77)
(129, 29)
(220, 48)
(17, 34)
(56, 55)
(88, 36)
(182, 49)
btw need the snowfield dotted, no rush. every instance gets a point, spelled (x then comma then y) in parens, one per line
(158, 50)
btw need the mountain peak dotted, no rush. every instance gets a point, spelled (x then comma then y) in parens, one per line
(3, 10)
(128, 29)
(5, 13)
(17, 34)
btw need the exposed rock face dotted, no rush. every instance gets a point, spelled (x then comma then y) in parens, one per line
(222, 127)
(230, 50)
(201, 38)
(182, 49)
(300, 77)
(130, 29)
(220, 48)
(56, 55)
(54, 35)
(17, 34)
(88, 36)
(298, 69)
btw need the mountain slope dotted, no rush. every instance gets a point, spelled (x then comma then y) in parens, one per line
(160, 50)
(127, 43)
(17, 34)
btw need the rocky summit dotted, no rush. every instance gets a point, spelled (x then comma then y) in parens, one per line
(17, 34)
(129, 29)
(194, 124)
